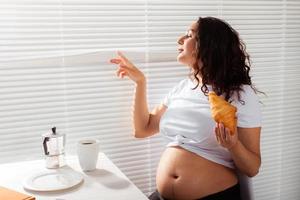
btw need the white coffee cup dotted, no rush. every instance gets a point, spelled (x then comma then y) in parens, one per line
(87, 151)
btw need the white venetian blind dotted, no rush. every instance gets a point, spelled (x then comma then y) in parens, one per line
(290, 171)
(54, 71)
(31, 85)
(99, 105)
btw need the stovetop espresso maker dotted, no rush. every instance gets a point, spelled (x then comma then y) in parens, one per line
(54, 149)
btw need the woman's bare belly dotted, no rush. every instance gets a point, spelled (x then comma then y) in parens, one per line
(183, 175)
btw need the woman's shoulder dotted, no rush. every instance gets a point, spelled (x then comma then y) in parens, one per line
(246, 96)
(248, 107)
(182, 83)
(185, 81)
(247, 90)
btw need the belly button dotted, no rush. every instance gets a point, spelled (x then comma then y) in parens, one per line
(175, 176)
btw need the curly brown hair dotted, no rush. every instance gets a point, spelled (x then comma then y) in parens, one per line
(225, 62)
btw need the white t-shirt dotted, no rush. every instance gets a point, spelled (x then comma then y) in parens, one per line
(188, 123)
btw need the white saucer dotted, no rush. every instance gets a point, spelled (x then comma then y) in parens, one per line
(53, 180)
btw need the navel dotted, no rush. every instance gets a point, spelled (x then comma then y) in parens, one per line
(175, 176)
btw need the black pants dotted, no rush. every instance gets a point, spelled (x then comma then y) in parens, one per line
(232, 193)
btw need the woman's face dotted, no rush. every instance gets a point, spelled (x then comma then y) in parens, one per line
(187, 46)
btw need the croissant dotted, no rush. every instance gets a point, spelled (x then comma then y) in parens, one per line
(222, 111)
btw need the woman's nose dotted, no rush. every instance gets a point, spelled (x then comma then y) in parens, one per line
(180, 40)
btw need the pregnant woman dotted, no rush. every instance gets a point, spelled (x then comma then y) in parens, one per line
(202, 156)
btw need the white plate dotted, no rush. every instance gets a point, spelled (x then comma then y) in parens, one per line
(53, 180)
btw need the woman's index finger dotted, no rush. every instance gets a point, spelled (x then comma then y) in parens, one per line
(122, 57)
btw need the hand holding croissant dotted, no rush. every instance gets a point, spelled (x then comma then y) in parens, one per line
(223, 112)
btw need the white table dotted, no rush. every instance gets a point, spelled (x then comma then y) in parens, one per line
(107, 182)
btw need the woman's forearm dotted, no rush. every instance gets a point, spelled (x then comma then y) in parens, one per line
(245, 160)
(141, 114)
(140, 109)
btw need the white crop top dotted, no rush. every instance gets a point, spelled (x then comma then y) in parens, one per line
(187, 121)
